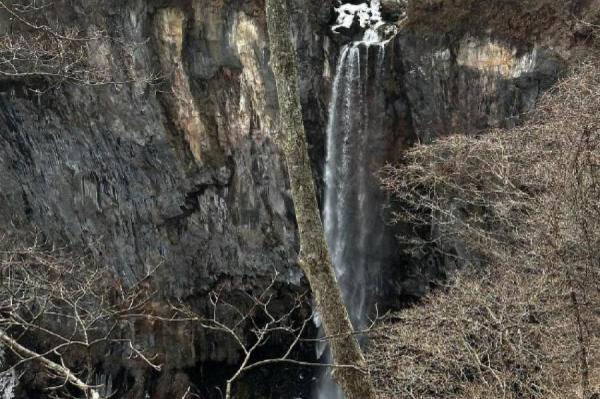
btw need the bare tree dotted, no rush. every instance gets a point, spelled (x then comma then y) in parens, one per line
(314, 260)
(253, 326)
(61, 312)
(34, 47)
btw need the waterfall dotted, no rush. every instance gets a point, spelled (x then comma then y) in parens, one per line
(352, 208)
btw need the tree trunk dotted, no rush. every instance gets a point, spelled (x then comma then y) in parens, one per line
(314, 255)
(61, 370)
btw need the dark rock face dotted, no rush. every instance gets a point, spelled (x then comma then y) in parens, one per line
(470, 84)
(191, 182)
(195, 182)
(393, 10)
(545, 22)
(109, 166)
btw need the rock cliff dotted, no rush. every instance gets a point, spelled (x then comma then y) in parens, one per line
(171, 167)
(178, 176)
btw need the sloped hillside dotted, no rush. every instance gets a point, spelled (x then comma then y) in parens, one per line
(521, 209)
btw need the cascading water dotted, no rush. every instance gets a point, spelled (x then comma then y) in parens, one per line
(352, 220)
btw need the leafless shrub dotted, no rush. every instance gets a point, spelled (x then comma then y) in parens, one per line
(526, 204)
(259, 322)
(61, 312)
(34, 47)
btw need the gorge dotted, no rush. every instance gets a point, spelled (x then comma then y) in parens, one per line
(188, 192)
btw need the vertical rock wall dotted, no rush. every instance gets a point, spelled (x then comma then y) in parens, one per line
(183, 170)
(179, 176)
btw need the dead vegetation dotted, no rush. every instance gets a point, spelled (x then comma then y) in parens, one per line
(36, 45)
(68, 325)
(520, 210)
(60, 314)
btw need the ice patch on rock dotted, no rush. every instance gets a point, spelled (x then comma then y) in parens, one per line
(368, 15)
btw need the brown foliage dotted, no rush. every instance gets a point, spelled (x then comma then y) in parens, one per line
(526, 204)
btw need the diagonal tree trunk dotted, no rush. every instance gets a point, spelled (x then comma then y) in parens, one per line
(314, 255)
(61, 370)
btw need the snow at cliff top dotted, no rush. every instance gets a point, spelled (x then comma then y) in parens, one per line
(369, 15)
